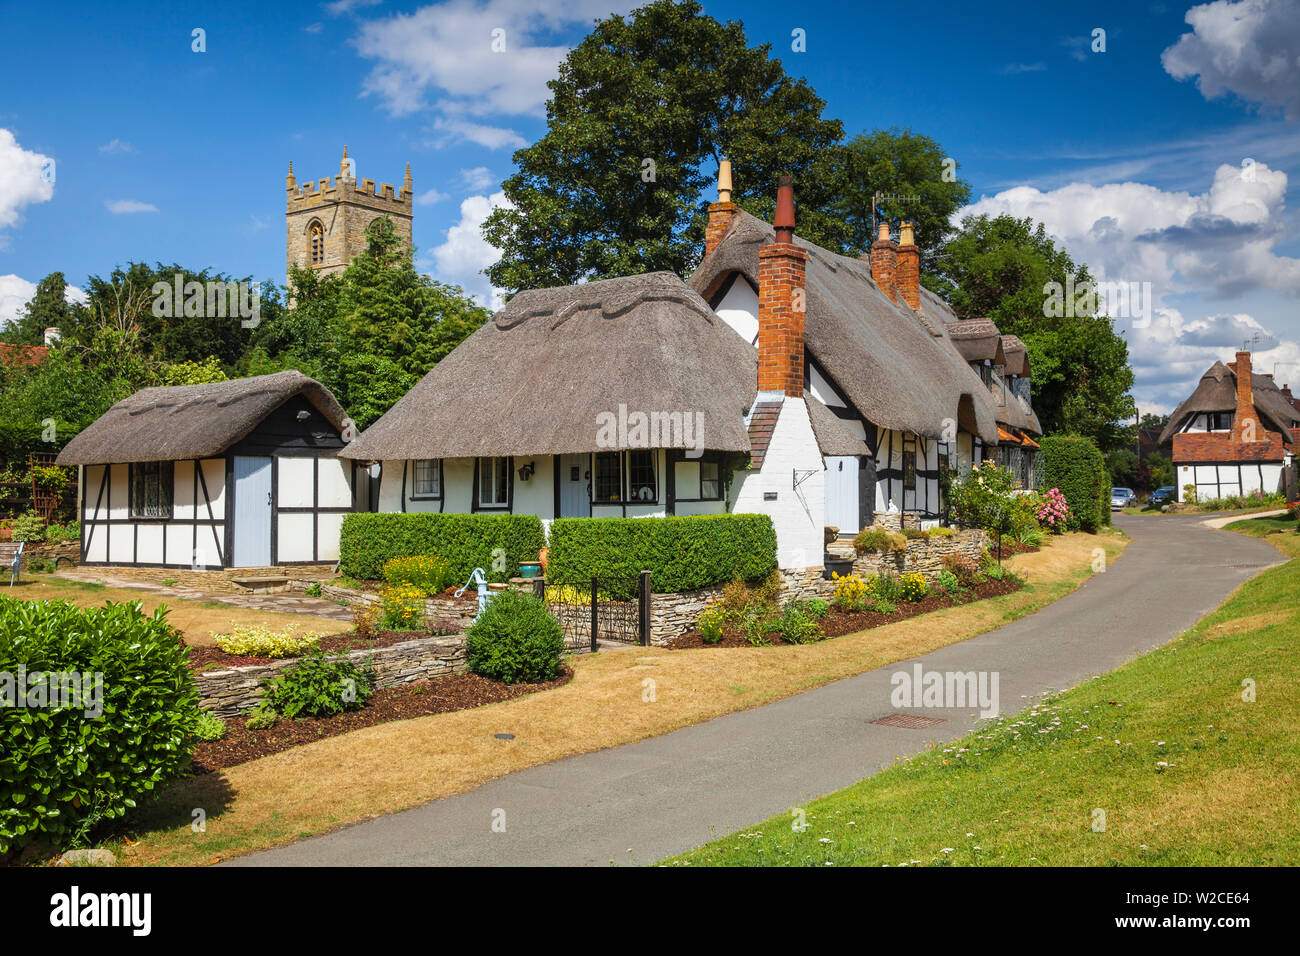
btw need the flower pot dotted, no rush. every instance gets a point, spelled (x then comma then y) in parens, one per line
(544, 558)
(834, 565)
(530, 569)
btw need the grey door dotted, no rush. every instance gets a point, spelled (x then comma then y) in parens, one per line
(574, 479)
(252, 531)
(842, 494)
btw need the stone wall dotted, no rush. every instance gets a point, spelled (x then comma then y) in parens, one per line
(925, 556)
(438, 610)
(237, 690)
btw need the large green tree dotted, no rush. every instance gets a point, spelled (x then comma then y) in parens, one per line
(904, 175)
(370, 332)
(671, 87)
(48, 308)
(1000, 268)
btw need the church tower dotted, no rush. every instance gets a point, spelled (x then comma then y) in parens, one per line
(326, 221)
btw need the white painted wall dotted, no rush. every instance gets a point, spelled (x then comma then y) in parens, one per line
(739, 309)
(1223, 481)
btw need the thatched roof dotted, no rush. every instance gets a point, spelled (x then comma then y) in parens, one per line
(1217, 392)
(1017, 356)
(833, 436)
(176, 422)
(537, 378)
(899, 369)
(977, 340)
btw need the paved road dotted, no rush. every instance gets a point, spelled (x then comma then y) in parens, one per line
(644, 801)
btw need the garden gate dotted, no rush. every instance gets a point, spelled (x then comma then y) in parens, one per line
(608, 608)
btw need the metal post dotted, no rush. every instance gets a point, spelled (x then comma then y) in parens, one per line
(643, 612)
(595, 614)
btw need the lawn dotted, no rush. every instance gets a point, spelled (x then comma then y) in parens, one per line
(383, 769)
(197, 620)
(1160, 762)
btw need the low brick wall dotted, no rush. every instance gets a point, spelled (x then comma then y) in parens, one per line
(237, 690)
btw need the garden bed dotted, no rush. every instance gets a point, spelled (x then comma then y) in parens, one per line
(214, 658)
(439, 695)
(838, 622)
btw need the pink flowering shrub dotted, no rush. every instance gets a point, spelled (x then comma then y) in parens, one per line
(1053, 510)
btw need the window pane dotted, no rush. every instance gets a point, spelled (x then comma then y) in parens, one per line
(502, 477)
(641, 476)
(909, 469)
(710, 486)
(609, 482)
(426, 476)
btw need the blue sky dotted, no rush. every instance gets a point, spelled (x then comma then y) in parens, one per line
(1132, 156)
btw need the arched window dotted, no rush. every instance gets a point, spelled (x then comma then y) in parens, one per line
(316, 232)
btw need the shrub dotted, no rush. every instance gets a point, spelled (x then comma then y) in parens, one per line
(983, 497)
(428, 572)
(59, 533)
(681, 553)
(916, 534)
(258, 640)
(754, 624)
(495, 543)
(318, 686)
(401, 608)
(941, 532)
(711, 623)
(817, 607)
(795, 624)
(1189, 494)
(948, 581)
(767, 591)
(1073, 465)
(883, 606)
(261, 718)
(364, 617)
(515, 640)
(209, 727)
(878, 541)
(313, 589)
(888, 588)
(965, 570)
(62, 771)
(29, 527)
(852, 593)
(1054, 511)
(912, 586)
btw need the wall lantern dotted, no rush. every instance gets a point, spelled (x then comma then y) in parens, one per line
(526, 471)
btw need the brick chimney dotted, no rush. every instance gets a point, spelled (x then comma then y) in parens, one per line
(907, 269)
(781, 269)
(721, 212)
(1245, 402)
(884, 256)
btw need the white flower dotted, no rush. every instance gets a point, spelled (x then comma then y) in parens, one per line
(946, 849)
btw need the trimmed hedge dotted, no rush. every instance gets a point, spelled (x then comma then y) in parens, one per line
(124, 732)
(681, 553)
(1077, 467)
(464, 541)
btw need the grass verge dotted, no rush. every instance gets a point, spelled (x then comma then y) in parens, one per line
(383, 769)
(1165, 752)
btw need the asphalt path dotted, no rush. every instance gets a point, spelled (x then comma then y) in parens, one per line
(638, 803)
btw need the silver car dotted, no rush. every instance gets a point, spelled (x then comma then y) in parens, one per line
(1121, 498)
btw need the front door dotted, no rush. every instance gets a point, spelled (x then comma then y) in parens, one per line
(842, 494)
(252, 531)
(575, 486)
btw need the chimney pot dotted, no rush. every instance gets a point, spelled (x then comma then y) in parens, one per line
(784, 218)
(724, 181)
(884, 262)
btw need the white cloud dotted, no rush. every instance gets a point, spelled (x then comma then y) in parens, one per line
(472, 58)
(1218, 244)
(462, 257)
(493, 137)
(314, 27)
(478, 179)
(431, 197)
(117, 146)
(1011, 69)
(340, 7)
(1250, 48)
(26, 177)
(119, 207)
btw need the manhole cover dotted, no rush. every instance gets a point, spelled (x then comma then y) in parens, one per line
(909, 721)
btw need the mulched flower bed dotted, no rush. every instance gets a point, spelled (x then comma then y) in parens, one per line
(437, 695)
(1010, 547)
(837, 622)
(214, 658)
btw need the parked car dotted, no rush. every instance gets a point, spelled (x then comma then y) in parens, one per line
(1161, 496)
(1121, 498)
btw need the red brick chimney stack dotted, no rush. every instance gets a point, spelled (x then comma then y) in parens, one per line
(907, 270)
(884, 256)
(781, 269)
(721, 212)
(1245, 422)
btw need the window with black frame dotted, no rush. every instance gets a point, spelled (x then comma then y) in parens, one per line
(428, 478)
(493, 482)
(152, 487)
(608, 482)
(909, 470)
(641, 479)
(697, 479)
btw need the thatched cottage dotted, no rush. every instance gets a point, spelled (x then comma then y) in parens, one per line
(243, 473)
(1237, 433)
(781, 378)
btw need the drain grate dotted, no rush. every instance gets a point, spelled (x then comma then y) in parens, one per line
(909, 721)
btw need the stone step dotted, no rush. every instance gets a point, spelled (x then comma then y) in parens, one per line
(272, 585)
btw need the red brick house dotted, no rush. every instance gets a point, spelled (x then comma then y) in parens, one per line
(1236, 434)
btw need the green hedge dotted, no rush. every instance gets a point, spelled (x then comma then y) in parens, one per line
(681, 553)
(63, 769)
(1076, 466)
(464, 541)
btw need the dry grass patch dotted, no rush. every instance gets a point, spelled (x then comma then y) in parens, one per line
(395, 766)
(197, 620)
